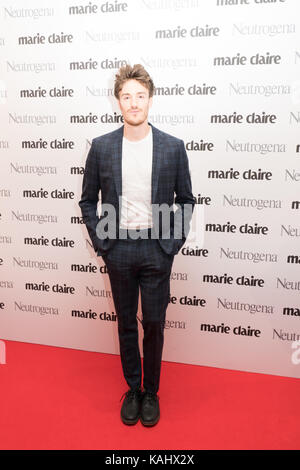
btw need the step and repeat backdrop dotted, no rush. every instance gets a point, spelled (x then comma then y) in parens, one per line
(227, 77)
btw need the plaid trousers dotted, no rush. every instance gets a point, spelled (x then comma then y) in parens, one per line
(133, 266)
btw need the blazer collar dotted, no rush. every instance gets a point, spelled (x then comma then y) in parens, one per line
(117, 160)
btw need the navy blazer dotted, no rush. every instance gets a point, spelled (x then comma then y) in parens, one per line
(170, 176)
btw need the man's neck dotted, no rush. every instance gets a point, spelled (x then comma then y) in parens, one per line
(135, 133)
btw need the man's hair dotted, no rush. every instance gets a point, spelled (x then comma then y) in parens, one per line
(136, 72)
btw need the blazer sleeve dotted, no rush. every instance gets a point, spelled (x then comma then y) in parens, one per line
(90, 195)
(184, 199)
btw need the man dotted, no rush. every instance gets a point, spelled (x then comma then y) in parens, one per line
(138, 169)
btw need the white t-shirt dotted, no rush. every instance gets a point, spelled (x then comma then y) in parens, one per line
(136, 211)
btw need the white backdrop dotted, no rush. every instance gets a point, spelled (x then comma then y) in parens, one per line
(228, 84)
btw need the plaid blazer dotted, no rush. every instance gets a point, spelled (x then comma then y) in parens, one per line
(170, 177)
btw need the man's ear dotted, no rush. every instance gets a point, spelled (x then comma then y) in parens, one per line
(150, 101)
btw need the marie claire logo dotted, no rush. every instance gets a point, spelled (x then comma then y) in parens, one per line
(194, 89)
(293, 259)
(249, 175)
(225, 3)
(56, 144)
(89, 314)
(55, 92)
(74, 219)
(93, 8)
(53, 38)
(91, 64)
(194, 32)
(188, 301)
(240, 60)
(94, 118)
(43, 241)
(245, 281)
(295, 205)
(226, 329)
(43, 287)
(251, 118)
(202, 200)
(89, 268)
(291, 311)
(245, 229)
(194, 251)
(44, 194)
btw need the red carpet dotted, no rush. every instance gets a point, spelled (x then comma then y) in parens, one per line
(56, 398)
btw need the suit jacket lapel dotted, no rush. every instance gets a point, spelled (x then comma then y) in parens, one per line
(117, 160)
(156, 161)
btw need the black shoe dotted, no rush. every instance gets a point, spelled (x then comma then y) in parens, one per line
(150, 413)
(130, 411)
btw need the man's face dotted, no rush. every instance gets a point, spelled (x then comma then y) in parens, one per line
(134, 102)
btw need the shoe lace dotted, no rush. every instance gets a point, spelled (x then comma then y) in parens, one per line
(150, 397)
(130, 394)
